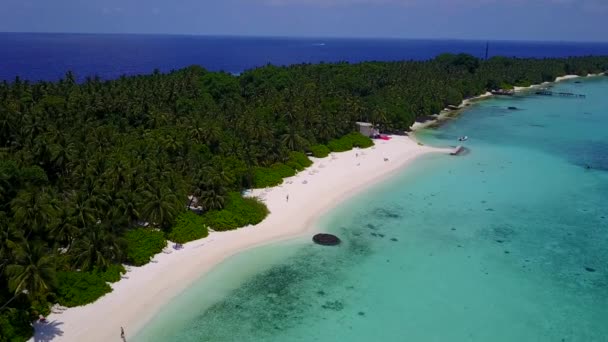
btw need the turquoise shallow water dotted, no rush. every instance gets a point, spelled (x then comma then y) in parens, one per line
(507, 243)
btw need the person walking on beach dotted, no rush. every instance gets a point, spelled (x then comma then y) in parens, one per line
(287, 198)
(122, 333)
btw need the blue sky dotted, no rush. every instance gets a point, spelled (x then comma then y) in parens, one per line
(572, 20)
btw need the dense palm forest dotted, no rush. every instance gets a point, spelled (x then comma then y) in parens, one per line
(98, 174)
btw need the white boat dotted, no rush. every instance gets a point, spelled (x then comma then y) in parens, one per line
(463, 138)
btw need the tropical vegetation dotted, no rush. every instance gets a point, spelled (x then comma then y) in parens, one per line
(188, 227)
(96, 173)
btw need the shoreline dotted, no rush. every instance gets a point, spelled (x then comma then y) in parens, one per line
(447, 113)
(144, 290)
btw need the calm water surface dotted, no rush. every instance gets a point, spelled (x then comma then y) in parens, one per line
(40, 56)
(508, 243)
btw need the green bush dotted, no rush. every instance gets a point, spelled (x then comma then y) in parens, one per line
(143, 244)
(292, 164)
(282, 170)
(15, 325)
(80, 288)
(319, 151)
(359, 140)
(506, 86)
(453, 97)
(264, 176)
(299, 160)
(238, 212)
(188, 227)
(40, 307)
(349, 141)
(112, 274)
(273, 175)
(340, 145)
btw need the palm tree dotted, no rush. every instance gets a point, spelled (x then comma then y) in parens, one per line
(172, 144)
(93, 193)
(262, 131)
(214, 197)
(33, 270)
(198, 187)
(6, 127)
(119, 174)
(97, 247)
(126, 207)
(64, 229)
(9, 238)
(62, 152)
(31, 127)
(197, 132)
(161, 206)
(214, 194)
(33, 210)
(292, 139)
(157, 120)
(378, 116)
(6, 181)
(213, 135)
(82, 208)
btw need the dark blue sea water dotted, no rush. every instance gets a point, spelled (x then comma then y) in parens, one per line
(37, 56)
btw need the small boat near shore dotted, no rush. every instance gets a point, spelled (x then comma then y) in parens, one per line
(463, 138)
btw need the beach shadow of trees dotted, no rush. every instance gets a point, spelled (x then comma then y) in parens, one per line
(46, 332)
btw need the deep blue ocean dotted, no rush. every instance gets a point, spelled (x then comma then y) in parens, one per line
(39, 56)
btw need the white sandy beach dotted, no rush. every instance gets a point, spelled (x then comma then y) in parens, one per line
(558, 79)
(145, 290)
(565, 78)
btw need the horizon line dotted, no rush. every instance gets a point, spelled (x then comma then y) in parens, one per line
(263, 36)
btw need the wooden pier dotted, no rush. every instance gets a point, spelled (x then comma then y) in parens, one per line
(553, 93)
(457, 150)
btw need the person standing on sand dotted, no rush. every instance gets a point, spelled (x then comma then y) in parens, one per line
(287, 198)
(122, 333)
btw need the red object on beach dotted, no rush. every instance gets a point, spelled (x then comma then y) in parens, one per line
(385, 137)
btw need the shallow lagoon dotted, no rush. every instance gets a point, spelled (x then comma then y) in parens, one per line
(507, 243)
